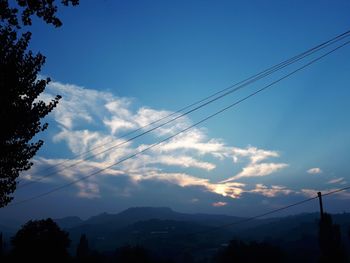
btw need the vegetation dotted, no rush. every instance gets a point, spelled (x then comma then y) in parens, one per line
(40, 241)
(330, 241)
(44, 241)
(21, 111)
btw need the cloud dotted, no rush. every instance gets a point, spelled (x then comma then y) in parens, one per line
(94, 121)
(273, 191)
(88, 188)
(119, 107)
(78, 105)
(219, 204)
(337, 181)
(194, 200)
(313, 193)
(233, 190)
(309, 192)
(183, 161)
(117, 124)
(255, 167)
(254, 154)
(315, 170)
(256, 170)
(194, 140)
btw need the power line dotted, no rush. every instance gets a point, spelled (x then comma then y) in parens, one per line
(184, 130)
(227, 91)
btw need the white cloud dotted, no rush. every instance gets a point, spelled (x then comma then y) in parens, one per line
(88, 189)
(119, 107)
(194, 200)
(194, 140)
(313, 193)
(91, 120)
(255, 167)
(149, 118)
(273, 191)
(315, 170)
(336, 181)
(233, 190)
(256, 170)
(254, 154)
(309, 192)
(78, 105)
(183, 161)
(117, 124)
(219, 204)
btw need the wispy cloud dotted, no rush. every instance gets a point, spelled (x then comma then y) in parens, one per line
(233, 190)
(337, 181)
(313, 192)
(272, 191)
(255, 167)
(219, 204)
(256, 170)
(254, 154)
(315, 170)
(91, 120)
(182, 161)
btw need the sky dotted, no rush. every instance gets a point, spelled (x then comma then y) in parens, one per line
(120, 65)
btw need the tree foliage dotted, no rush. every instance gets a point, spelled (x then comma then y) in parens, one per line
(132, 254)
(40, 241)
(83, 251)
(239, 251)
(21, 111)
(330, 242)
(21, 11)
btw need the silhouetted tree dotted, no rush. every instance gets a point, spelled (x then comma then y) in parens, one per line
(40, 241)
(1, 246)
(238, 251)
(129, 254)
(44, 9)
(330, 241)
(187, 257)
(83, 251)
(20, 110)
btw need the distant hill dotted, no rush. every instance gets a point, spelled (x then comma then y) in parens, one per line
(106, 230)
(135, 214)
(293, 227)
(167, 231)
(69, 222)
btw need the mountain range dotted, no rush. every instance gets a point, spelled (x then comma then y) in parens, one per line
(168, 231)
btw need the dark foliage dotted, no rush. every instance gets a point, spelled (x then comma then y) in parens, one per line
(1, 246)
(330, 242)
(239, 251)
(132, 254)
(304, 249)
(19, 12)
(20, 110)
(40, 241)
(83, 251)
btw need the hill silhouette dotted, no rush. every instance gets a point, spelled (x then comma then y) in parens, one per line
(166, 231)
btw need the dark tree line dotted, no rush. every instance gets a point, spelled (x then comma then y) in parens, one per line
(21, 112)
(43, 241)
(331, 246)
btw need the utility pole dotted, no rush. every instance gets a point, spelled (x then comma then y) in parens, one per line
(321, 205)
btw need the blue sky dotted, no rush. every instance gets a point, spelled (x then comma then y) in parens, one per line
(121, 64)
